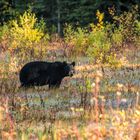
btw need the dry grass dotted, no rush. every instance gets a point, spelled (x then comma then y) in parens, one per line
(90, 121)
(98, 103)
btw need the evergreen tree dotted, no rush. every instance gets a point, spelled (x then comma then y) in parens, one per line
(58, 12)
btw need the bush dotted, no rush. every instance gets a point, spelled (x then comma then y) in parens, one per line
(99, 46)
(99, 42)
(127, 21)
(76, 40)
(137, 30)
(25, 36)
(96, 43)
(117, 38)
(80, 37)
(4, 31)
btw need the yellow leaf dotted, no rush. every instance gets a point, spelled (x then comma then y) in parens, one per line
(44, 137)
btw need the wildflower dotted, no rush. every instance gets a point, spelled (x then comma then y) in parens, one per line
(123, 100)
(119, 85)
(137, 93)
(92, 100)
(72, 108)
(99, 74)
(93, 85)
(118, 93)
(81, 109)
(102, 97)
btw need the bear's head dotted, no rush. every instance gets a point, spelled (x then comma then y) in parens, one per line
(69, 68)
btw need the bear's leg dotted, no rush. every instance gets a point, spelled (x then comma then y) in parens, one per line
(54, 84)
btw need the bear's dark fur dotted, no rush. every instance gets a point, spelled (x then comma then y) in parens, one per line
(39, 73)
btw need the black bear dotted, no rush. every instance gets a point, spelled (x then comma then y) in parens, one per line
(39, 73)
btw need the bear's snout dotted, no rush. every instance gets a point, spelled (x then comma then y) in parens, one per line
(71, 73)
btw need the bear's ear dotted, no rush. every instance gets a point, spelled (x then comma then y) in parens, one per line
(64, 63)
(73, 63)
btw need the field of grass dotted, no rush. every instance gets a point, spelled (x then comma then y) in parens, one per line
(98, 103)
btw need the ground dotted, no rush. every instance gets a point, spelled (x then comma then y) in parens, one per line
(71, 111)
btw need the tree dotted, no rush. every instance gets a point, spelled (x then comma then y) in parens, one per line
(7, 11)
(58, 12)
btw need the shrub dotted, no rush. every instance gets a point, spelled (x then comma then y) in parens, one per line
(80, 41)
(4, 31)
(96, 43)
(103, 41)
(25, 36)
(99, 43)
(117, 37)
(76, 39)
(99, 46)
(127, 22)
(137, 30)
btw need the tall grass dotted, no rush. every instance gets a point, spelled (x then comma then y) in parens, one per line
(91, 120)
(82, 108)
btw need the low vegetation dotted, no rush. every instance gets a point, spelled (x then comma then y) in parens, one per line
(101, 101)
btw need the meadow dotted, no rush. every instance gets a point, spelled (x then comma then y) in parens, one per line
(100, 102)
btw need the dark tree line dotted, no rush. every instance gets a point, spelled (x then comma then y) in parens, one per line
(58, 12)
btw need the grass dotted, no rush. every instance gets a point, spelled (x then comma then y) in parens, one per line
(98, 102)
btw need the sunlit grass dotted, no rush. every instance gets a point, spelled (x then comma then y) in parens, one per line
(71, 112)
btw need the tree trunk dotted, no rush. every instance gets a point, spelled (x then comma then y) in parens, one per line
(58, 17)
